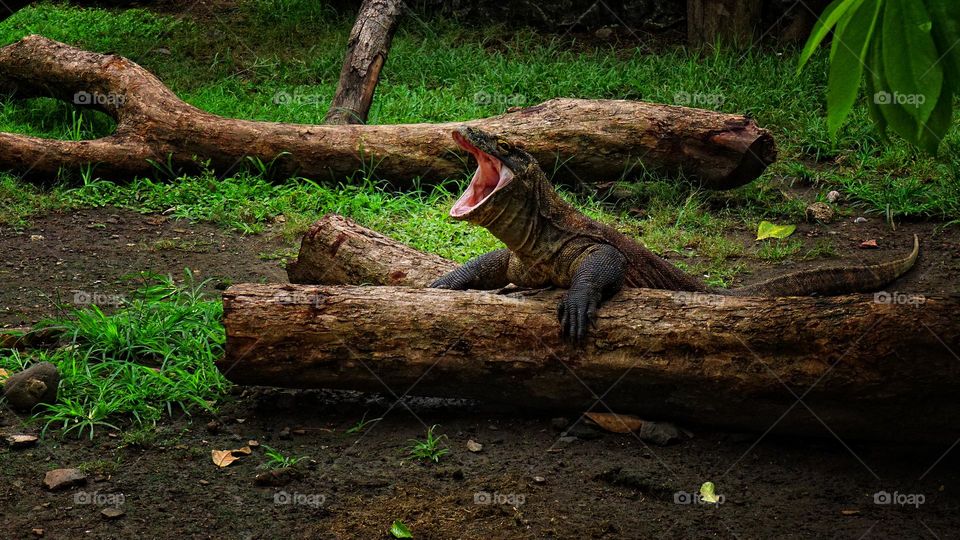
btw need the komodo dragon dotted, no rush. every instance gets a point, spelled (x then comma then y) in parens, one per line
(550, 243)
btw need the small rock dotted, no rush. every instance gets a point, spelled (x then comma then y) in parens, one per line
(112, 512)
(474, 446)
(63, 478)
(821, 212)
(284, 433)
(582, 431)
(37, 532)
(869, 244)
(162, 50)
(34, 385)
(204, 483)
(277, 477)
(36, 238)
(567, 440)
(603, 33)
(21, 441)
(659, 433)
(539, 479)
(213, 427)
(559, 423)
(833, 196)
(253, 443)
(860, 220)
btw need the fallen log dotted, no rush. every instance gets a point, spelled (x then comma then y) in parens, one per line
(862, 368)
(581, 141)
(367, 52)
(336, 250)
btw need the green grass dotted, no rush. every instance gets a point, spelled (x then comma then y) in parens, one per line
(429, 448)
(154, 356)
(235, 64)
(277, 460)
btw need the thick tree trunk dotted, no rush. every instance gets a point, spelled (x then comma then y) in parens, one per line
(729, 21)
(592, 140)
(337, 251)
(864, 369)
(366, 53)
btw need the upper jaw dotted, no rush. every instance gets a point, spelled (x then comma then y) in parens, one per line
(491, 176)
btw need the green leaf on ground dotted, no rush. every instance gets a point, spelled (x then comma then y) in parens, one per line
(770, 230)
(399, 530)
(708, 493)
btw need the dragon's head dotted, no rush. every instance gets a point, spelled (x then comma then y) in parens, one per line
(504, 170)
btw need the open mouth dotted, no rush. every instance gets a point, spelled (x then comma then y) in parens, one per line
(491, 175)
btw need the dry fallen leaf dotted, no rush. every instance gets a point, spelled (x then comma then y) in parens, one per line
(222, 458)
(869, 244)
(253, 443)
(246, 451)
(4, 374)
(616, 423)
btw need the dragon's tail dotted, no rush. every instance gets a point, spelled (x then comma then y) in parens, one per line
(831, 281)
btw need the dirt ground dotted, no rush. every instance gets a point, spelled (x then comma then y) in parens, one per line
(526, 482)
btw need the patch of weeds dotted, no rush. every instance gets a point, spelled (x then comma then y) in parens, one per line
(139, 437)
(153, 356)
(180, 244)
(429, 448)
(276, 460)
(100, 466)
(822, 249)
(362, 425)
(778, 250)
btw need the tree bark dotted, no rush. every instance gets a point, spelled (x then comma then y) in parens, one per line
(578, 140)
(729, 21)
(336, 250)
(865, 369)
(366, 54)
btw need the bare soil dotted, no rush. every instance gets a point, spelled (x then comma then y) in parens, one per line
(526, 482)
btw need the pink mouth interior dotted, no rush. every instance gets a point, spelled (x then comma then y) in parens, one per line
(491, 175)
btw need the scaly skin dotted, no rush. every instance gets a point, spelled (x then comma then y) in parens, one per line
(550, 243)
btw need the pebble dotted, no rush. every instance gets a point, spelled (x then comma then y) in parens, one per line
(833, 196)
(860, 220)
(63, 479)
(21, 441)
(474, 446)
(821, 212)
(112, 512)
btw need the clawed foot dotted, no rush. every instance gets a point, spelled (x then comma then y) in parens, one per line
(577, 311)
